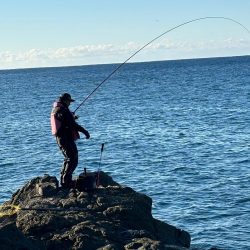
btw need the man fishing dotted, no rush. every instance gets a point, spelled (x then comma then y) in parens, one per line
(66, 131)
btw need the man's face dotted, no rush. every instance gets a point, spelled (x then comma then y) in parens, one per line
(68, 102)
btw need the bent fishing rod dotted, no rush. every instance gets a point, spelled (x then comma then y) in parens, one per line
(164, 33)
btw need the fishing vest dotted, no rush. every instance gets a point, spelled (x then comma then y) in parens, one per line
(56, 124)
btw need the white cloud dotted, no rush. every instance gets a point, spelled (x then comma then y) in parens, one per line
(108, 53)
(7, 57)
(80, 51)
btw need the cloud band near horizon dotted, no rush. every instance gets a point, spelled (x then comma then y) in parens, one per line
(110, 53)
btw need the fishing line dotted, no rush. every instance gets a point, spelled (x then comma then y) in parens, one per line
(164, 33)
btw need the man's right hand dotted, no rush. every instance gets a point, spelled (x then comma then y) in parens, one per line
(87, 134)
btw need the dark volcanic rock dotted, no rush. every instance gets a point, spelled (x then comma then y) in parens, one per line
(108, 218)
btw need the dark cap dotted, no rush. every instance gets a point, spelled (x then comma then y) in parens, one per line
(66, 97)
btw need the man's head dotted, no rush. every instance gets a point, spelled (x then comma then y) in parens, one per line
(66, 98)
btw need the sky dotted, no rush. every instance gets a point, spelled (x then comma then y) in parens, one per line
(51, 33)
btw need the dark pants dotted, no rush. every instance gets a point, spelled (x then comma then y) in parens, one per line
(70, 152)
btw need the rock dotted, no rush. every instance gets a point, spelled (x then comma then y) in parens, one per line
(12, 238)
(108, 218)
(47, 186)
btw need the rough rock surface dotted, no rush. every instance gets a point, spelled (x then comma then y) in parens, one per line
(111, 217)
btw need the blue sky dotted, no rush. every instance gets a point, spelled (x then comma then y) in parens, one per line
(48, 33)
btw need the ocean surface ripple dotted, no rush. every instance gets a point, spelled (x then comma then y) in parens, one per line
(177, 131)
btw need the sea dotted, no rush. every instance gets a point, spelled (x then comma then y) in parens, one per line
(177, 131)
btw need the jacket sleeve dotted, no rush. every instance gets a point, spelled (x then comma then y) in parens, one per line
(81, 129)
(69, 121)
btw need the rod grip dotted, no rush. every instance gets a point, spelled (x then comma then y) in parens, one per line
(102, 147)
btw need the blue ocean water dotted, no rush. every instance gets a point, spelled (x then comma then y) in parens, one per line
(177, 131)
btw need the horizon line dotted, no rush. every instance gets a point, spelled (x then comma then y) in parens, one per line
(118, 63)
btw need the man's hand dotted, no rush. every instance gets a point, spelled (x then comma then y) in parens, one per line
(87, 134)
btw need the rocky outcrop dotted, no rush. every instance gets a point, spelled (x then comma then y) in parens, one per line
(110, 217)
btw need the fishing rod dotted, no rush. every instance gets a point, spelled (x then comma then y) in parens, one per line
(164, 33)
(99, 168)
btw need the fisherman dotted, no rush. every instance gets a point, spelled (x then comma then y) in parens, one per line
(66, 131)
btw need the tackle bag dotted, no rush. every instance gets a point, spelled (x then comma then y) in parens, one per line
(86, 181)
